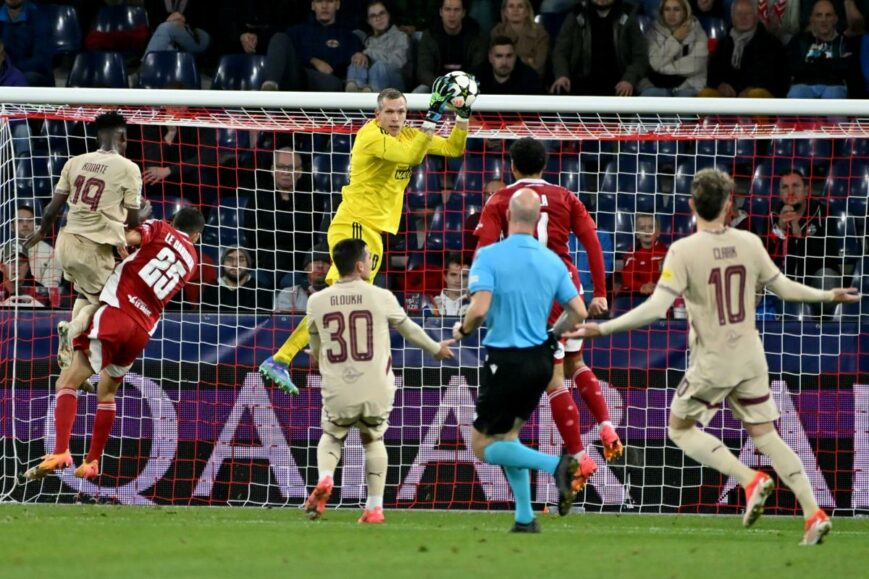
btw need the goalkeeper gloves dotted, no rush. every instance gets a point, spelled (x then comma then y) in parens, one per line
(438, 102)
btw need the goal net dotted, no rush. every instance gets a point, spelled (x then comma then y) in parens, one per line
(196, 425)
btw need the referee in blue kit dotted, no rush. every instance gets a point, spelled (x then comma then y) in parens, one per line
(513, 284)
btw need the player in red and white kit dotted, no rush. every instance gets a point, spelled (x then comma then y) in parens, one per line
(561, 213)
(132, 301)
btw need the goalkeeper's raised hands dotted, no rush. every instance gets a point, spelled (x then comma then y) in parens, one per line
(437, 103)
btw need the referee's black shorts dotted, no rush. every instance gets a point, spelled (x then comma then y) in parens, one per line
(511, 382)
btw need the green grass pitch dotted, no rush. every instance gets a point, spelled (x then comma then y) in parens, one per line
(109, 541)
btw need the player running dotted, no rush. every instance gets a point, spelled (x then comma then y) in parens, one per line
(561, 213)
(349, 326)
(132, 302)
(106, 191)
(716, 270)
(381, 161)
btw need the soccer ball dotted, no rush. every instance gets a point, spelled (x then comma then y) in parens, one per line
(463, 89)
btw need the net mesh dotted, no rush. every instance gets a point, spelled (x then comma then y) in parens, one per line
(197, 426)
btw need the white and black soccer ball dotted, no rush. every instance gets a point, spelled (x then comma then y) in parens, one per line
(463, 89)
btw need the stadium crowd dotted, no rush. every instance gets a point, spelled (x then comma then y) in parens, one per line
(269, 196)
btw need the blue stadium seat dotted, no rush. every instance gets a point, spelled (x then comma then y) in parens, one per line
(860, 280)
(624, 232)
(65, 28)
(763, 179)
(717, 148)
(683, 224)
(454, 230)
(120, 18)
(818, 151)
(98, 70)
(225, 226)
(715, 28)
(239, 72)
(164, 66)
(854, 147)
(166, 207)
(645, 21)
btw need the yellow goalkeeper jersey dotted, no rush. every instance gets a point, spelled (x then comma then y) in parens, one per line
(380, 168)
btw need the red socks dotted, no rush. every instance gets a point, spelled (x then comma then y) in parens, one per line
(566, 417)
(64, 417)
(589, 388)
(102, 427)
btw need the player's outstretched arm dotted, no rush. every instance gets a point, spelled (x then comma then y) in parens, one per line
(49, 218)
(414, 334)
(792, 291)
(650, 310)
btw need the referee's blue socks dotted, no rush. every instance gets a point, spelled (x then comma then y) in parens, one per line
(520, 483)
(514, 453)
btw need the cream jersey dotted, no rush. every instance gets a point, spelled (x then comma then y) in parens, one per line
(718, 273)
(101, 187)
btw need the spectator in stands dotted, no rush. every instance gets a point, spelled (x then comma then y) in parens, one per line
(176, 34)
(248, 26)
(642, 266)
(678, 53)
(454, 299)
(295, 299)
(709, 8)
(750, 62)
(796, 237)
(850, 15)
(821, 59)
(9, 75)
(17, 284)
(24, 30)
(41, 259)
(313, 55)
(503, 73)
(530, 38)
(469, 239)
(453, 43)
(387, 49)
(600, 50)
(236, 287)
(780, 17)
(285, 212)
(179, 160)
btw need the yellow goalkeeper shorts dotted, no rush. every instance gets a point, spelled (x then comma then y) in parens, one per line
(341, 230)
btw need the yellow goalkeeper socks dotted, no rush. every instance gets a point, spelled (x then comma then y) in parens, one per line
(294, 344)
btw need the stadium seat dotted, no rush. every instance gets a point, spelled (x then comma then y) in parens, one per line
(624, 232)
(239, 72)
(860, 280)
(854, 147)
(164, 66)
(166, 207)
(65, 28)
(715, 28)
(763, 179)
(98, 70)
(225, 226)
(120, 18)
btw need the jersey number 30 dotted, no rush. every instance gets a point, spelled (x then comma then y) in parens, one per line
(163, 273)
(358, 322)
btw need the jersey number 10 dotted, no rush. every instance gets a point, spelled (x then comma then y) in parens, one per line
(729, 310)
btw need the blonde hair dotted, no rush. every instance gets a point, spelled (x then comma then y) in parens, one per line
(686, 8)
(528, 8)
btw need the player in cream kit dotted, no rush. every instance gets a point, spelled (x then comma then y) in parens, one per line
(103, 191)
(718, 270)
(349, 325)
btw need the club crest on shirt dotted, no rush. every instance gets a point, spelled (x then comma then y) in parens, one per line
(333, 43)
(351, 374)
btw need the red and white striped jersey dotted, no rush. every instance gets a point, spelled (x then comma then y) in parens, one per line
(143, 284)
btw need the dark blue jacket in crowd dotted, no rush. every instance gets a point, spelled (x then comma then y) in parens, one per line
(27, 39)
(11, 76)
(334, 44)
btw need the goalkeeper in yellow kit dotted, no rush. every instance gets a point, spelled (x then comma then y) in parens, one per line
(381, 161)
